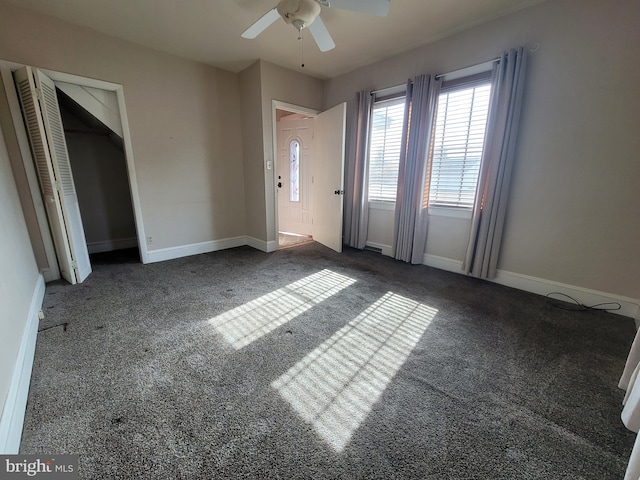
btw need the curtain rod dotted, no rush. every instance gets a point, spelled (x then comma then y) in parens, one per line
(470, 67)
(390, 90)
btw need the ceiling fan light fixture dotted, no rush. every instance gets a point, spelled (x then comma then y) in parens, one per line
(303, 14)
(298, 24)
(299, 13)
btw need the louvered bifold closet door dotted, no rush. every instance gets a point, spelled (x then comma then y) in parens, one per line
(39, 148)
(46, 136)
(62, 170)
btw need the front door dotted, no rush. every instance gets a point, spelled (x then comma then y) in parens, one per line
(295, 147)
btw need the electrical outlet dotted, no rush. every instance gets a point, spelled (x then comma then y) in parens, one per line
(149, 239)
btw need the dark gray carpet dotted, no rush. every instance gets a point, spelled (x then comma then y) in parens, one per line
(304, 363)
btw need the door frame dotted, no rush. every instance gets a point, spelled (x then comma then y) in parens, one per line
(289, 107)
(6, 69)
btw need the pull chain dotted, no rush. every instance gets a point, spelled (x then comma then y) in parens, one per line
(301, 38)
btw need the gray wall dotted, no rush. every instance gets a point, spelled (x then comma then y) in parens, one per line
(574, 211)
(184, 119)
(19, 273)
(260, 84)
(286, 86)
(253, 148)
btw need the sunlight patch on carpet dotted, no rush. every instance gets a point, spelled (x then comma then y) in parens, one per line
(336, 385)
(253, 320)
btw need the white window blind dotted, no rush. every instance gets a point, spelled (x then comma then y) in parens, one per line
(461, 121)
(384, 149)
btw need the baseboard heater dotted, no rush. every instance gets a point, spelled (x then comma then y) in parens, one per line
(373, 249)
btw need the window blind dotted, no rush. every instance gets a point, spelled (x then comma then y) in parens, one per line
(384, 149)
(458, 142)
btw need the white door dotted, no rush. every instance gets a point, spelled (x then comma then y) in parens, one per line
(328, 176)
(295, 142)
(46, 134)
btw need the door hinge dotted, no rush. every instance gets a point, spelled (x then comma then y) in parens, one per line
(74, 264)
(37, 93)
(58, 186)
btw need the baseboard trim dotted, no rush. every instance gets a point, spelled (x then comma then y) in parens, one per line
(110, 245)
(442, 263)
(630, 307)
(171, 253)
(261, 245)
(49, 275)
(15, 405)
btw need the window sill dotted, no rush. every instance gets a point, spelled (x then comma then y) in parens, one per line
(388, 206)
(433, 211)
(450, 212)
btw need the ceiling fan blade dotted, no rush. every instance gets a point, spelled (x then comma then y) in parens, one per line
(261, 25)
(379, 8)
(321, 35)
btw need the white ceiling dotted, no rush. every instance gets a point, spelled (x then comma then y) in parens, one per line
(209, 31)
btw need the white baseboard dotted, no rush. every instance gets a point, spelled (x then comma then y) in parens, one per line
(15, 405)
(270, 246)
(50, 275)
(163, 254)
(629, 306)
(110, 245)
(442, 263)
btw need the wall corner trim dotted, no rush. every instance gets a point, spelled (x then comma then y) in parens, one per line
(263, 246)
(15, 405)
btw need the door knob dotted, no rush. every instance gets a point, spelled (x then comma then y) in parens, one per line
(339, 192)
(279, 184)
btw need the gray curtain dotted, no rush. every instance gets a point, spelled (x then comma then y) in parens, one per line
(497, 163)
(411, 218)
(356, 204)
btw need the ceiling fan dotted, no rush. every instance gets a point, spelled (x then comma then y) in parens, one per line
(305, 14)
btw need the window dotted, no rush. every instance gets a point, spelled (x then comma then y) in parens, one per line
(384, 149)
(294, 171)
(458, 141)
